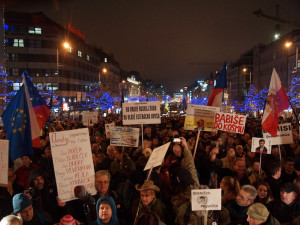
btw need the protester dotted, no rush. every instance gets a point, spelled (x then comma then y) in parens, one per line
(22, 173)
(264, 193)
(106, 211)
(11, 220)
(259, 214)
(230, 189)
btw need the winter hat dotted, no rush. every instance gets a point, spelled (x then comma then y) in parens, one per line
(258, 211)
(181, 177)
(67, 220)
(289, 187)
(33, 174)
(20, 201)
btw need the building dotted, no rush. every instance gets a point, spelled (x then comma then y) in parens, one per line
(57, 58)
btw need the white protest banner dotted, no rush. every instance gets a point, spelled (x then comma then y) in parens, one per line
(284, 135)
(206, 199)
(261, 145)
(195, 113)
(108, 127)
(141, 113)
(72, 160)
(89, 118)
(157, 156)
(230, 122)
(4, 162)
(124, 136)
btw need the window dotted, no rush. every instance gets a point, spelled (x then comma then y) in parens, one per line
(105, 59)
(70, 49)
(79, 53)
(35, 30)
(16, 86)
(18, 43)
(87, 57)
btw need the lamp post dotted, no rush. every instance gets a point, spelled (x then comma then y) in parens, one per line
(289, 44)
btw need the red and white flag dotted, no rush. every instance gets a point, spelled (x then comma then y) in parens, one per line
(277, 102)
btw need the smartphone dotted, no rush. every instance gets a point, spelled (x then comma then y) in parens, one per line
(176, 140)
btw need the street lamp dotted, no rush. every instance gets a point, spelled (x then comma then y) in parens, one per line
(66, 45)
(289, 44)
(245, 70)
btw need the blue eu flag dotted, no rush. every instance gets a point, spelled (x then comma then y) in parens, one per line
(16, 122)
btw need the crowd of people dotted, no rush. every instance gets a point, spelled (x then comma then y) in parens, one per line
(257, 188)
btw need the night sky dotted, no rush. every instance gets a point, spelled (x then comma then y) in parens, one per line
(174, 42)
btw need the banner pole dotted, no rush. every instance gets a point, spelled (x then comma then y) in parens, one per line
(142, 127)
(196, 145)
(279, 153)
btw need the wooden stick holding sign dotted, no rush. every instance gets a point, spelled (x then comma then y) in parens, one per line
(196, 145)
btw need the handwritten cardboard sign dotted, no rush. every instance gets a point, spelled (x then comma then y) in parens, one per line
(195, 113)
(141, 113)
(157, 156)
(72, 160)
(124, 136)
(284, 135)
(230, 122)
(263, 147)
(206, 199)
(4, 162)
(89, 118)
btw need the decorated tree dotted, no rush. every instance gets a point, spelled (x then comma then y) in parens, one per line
(294, 94)
(199, 101)
(250, 104)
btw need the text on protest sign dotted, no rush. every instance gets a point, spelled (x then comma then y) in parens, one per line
(157, 156)
(200, 112)
(89, 118)
(206, 199)
(284, 135)
(124, 136)
(141, 113)
(72, 160)
(4, 162)
(261, 145)
(108, 127)
(230, 122)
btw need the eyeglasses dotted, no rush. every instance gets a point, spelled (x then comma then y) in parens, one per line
(102, 182)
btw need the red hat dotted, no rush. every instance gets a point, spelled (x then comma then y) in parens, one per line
(67, 220)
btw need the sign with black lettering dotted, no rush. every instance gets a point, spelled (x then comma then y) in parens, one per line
(141, 113)
(124, 136)
(284, 135)
(72, 160)
(206, 199)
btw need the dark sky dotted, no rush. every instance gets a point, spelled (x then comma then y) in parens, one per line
(174, 42)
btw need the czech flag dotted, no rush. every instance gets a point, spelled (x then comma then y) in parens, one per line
(277, 102)
(216, 96)
(24, 118)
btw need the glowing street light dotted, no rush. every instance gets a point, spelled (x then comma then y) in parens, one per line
(288, 44)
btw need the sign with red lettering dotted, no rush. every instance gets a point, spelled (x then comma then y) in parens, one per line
(230, 122)
(73, 163)
(4, 162)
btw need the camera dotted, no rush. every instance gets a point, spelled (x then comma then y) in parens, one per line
(176, 140)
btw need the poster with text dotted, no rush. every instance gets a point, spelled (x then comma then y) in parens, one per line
(141, 113)
(72, 160)
(124, 136)
(206, 199)
(200, 114)
(284, 135)
(4, 162)
(230, 122)
(157, 156)
(89, 118)
(261, 145)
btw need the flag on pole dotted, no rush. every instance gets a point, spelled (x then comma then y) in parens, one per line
(23, 119)
(216, 96)
(277, 102)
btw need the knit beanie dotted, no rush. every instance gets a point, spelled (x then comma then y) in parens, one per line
(20, 202)
(258, 211)
(67, 220)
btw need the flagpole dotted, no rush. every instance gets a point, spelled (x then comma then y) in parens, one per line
(57, 120)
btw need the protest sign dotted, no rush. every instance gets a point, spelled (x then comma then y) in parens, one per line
(141, 113)
(206, 199)
(261, 145)
(89, 118)
(72, 160)
(108, 127)
(230, 122)
(124, 136)
(4, 162)
(157, 156)
(195, 113)
(284, 135)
